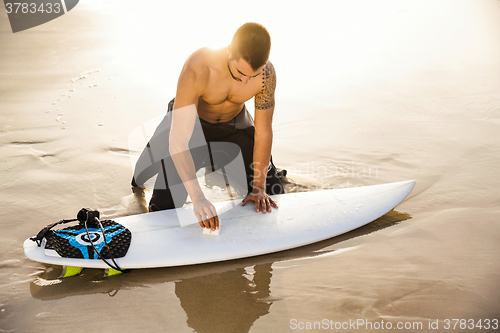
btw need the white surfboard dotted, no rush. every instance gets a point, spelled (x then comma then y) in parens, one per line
(174, 237)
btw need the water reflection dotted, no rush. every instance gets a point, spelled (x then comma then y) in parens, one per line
(226, 302)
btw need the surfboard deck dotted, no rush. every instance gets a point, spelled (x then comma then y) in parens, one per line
(174, 237)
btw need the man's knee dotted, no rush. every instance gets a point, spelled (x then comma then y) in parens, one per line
(276, 188)
(161, 200)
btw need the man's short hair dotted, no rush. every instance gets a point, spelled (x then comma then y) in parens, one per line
(252, 42)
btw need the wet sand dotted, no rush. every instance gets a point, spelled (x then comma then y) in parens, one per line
(73, 90)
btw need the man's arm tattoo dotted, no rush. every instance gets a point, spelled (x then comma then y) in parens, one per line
(265, 99)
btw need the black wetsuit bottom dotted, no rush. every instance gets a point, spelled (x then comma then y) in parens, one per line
(228, 150)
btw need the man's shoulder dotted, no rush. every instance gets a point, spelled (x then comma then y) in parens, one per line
(196, 64)
(269, 69)
(199, 67)
(202, 59)
(200, 56)
(265, 98)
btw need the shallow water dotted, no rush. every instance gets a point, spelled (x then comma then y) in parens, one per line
(369, 92)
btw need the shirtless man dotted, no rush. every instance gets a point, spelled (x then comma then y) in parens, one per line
(213, 86)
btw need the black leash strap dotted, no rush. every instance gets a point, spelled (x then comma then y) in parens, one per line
(38, 238)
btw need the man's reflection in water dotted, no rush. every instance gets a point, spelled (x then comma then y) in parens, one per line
(226, 302)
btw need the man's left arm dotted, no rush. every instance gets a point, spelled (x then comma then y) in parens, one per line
(264, 109)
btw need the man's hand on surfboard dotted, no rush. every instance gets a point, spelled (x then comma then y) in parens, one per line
(260, 197)
(206, 214)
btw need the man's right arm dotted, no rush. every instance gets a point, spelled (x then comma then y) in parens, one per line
(190, 87)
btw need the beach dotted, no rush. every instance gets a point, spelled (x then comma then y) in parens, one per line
(369, 92)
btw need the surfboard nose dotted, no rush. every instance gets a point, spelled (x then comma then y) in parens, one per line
(410, 182)
(408, 185)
